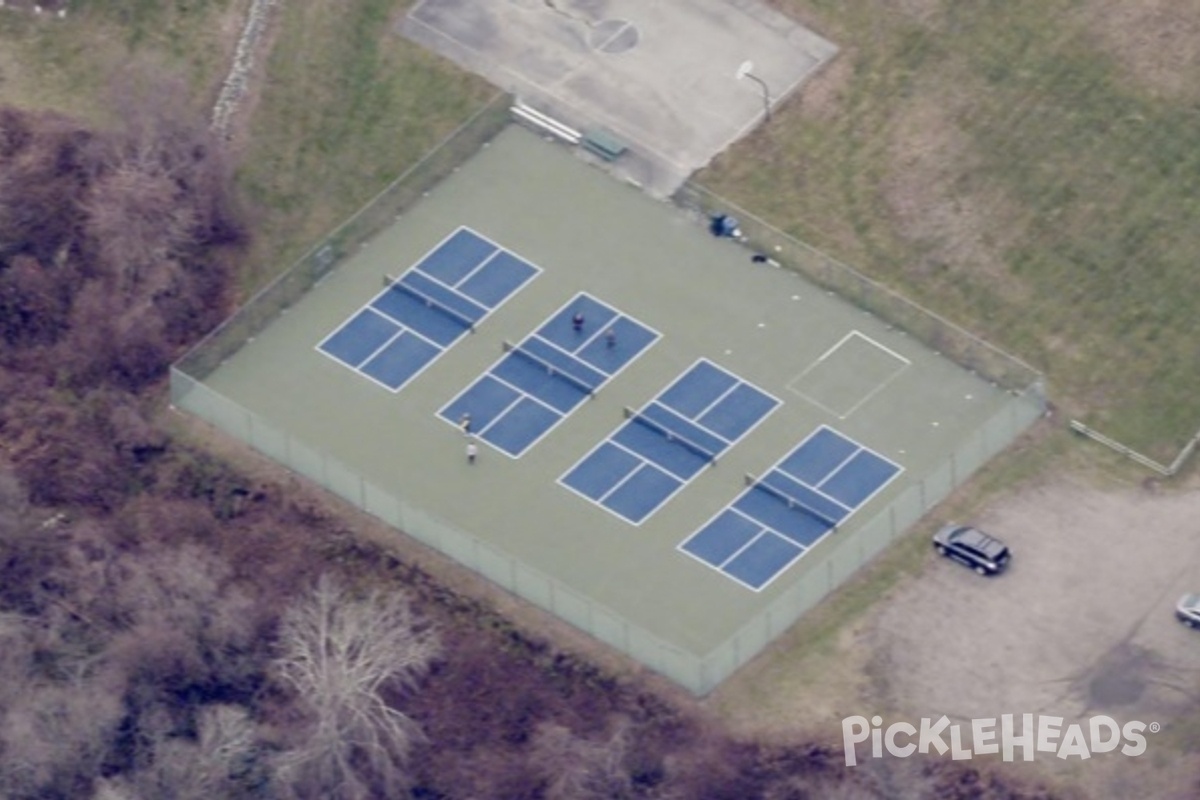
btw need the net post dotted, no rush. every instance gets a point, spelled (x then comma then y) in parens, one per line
(589, 391)
(396, 284)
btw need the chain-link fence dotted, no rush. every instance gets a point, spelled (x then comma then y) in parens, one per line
(376, 215)
(939, 334)
(821, 572)
(811, 579)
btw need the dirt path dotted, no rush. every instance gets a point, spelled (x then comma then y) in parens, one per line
(1082, 625)
(237, 89)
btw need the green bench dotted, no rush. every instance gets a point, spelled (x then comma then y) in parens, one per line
(603, 144)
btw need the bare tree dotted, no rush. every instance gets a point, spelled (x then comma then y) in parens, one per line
(113, 789)
(55, 741)
(579, 769)
(219, 762)
(341, 653)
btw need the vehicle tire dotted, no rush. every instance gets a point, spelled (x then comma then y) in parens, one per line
(941, 548)
(1191, 623)
(981, 570)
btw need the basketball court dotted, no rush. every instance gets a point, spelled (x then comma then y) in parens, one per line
(677, 81)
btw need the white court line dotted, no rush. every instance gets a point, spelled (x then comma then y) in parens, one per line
(569, 354)
(417, 295)
(487, 310)
(357, 368)
(584, 458)
(872, 393)
(600, 47)
(350, 319)
(592, 500)
(683, 482)
(776, 468)
(836, 469)
(628, 477)
(497, 249)
(490, 371)
(679, 415)
(883, 384)
(483, 431)
(762, 528)
(359, 372)
(815, 402)
(814, 489)
(743, 381)
(737, 382)
(882, 347)
(660, 467)
(537, 269)
(655, 335)
(521, 393)
(760, 523)
(857, 449)
(617, 316)
(474, 303)
(864, 449)
(406, 328)
(761, 533)
(793, 384)
(615, 124)
(379, 349)
(637, 468)
(861, 448)
(487, 260)
(766, 529)
(803, 552)
(413, 376)
(416, 265)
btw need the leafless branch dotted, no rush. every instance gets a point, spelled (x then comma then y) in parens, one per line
(339, 652)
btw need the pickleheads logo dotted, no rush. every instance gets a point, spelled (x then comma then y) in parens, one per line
(1027, 734)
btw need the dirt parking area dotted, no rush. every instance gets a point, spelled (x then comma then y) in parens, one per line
(1081, 625)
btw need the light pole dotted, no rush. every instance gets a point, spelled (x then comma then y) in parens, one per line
(746, 71)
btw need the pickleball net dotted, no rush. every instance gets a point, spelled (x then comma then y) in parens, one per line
(671, 435)
(398, 285)
(793, 503)
(551, 369)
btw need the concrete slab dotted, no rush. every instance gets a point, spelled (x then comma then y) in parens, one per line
(510, 518)
(668, 77)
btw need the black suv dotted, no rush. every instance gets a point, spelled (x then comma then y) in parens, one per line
(1188, 610)
(985, 554)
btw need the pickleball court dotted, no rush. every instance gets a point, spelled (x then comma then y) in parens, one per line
(679, 449)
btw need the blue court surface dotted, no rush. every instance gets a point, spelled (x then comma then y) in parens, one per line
(668, 442)
(418, 316)
(538, 382)
(812, 491)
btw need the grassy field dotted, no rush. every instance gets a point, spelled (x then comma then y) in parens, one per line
(340, 108)
(1025, 168)
(75, 64)
(347, 105)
